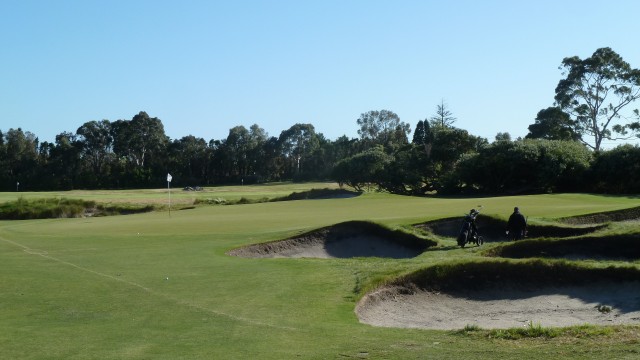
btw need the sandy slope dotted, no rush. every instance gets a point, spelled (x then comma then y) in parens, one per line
(502, 308)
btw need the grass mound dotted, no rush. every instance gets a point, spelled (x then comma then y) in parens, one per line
(481, 275)
(604, 247)
(345, 240)
(302, 195)
(603, 217)
(318, 194)
(23, 209)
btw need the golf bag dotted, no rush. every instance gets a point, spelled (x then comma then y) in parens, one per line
(467, 232)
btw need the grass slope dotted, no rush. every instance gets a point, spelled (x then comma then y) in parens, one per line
(153, 286)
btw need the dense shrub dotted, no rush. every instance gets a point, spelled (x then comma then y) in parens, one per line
(362, 169)
(529, 165)
(616, 171)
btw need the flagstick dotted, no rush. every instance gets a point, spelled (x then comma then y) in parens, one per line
(169, 178)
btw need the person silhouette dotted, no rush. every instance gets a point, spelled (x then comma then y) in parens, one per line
(517, 225)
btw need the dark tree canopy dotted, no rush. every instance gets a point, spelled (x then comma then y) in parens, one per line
(553, 124)
(139, 138)
(382, 127)
(530, 165)
(596, 93)
(441, 159)
(503, 136)
(616, 171)
(97, 144)
(297, 144)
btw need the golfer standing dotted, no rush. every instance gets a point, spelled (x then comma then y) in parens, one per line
(517, 225)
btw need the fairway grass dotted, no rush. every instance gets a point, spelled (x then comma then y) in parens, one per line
(159, 286)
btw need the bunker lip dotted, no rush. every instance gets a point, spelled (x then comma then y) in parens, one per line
(345, 240)
(493, 230)
(579, 296)
(610, 247)
(603, 217)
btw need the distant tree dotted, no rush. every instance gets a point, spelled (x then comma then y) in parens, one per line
(424, 136)
(450, 144)
(139, 138)
(364, 169)
(443, 117)
(21, 159)
(408, 172)
(64, 161)
(237, 146)
(189, 160)
(595, 92)
(419, 134)
(97, 147)
(343, 147)
(256, 154)
(382, 127)
(298, 143)
(274, 162)
(530, 165)
(503, 136)
(553, 124)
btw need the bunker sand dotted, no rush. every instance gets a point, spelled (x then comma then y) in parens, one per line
(346, 240)
(598, 304)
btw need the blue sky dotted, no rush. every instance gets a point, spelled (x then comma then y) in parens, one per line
(203, 67)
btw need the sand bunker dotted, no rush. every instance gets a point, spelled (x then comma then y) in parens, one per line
(345, 240)
(493, 230)
(598, 304)
(502, 294)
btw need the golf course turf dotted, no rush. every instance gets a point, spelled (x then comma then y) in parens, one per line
(160, 286)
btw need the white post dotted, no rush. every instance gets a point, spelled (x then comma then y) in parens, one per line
(169, 188)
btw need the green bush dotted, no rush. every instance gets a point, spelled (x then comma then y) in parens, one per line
(616, 171)
(525, 166)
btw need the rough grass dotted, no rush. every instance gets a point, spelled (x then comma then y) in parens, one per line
(24, 209)
(533, 330)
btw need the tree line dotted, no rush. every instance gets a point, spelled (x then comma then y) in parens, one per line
(562, 151)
